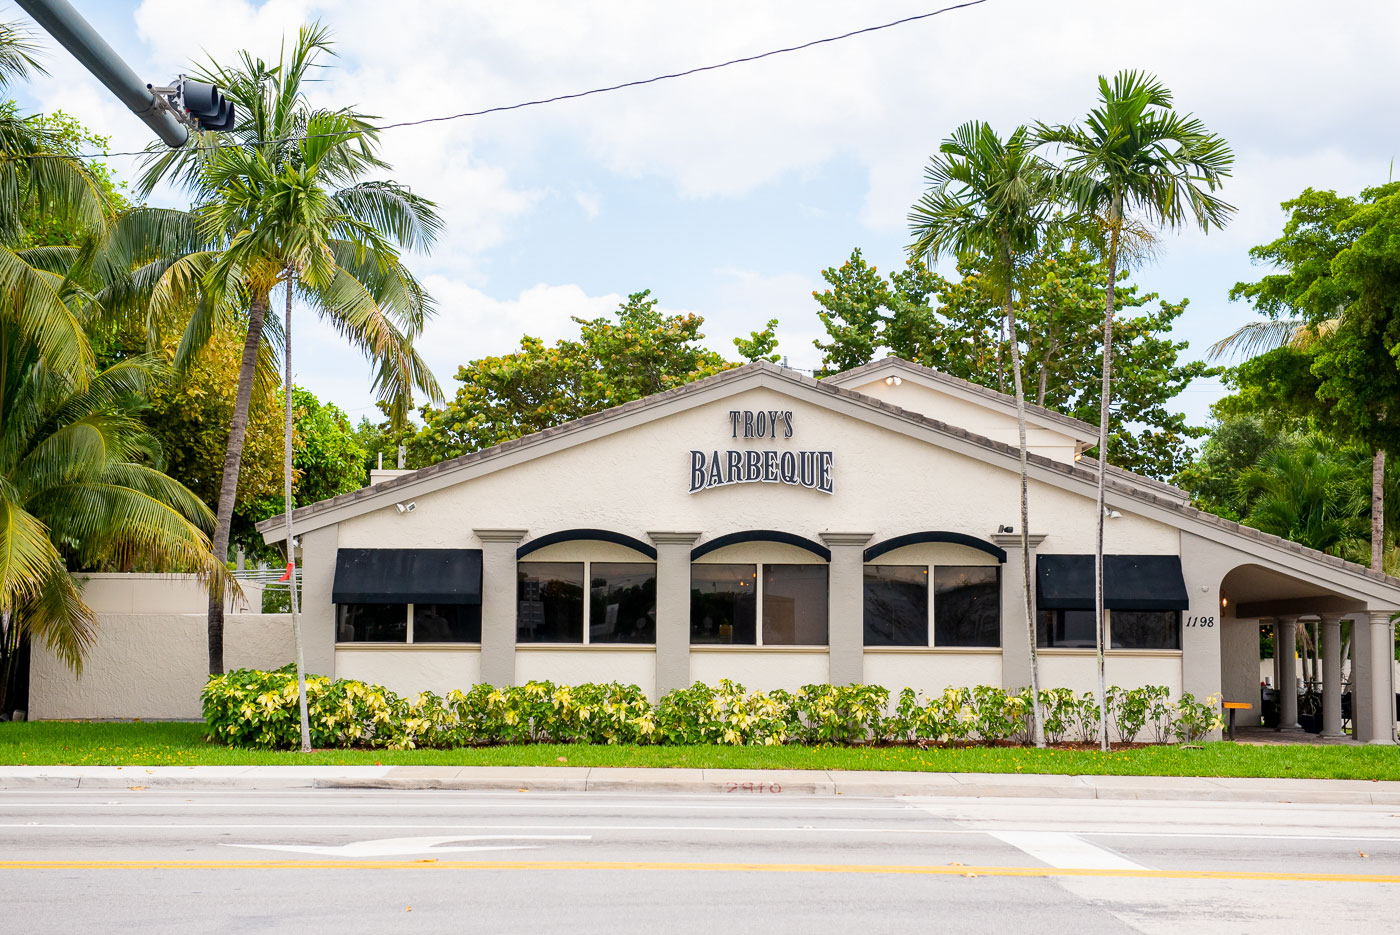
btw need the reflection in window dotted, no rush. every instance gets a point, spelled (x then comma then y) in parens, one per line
(967, 605)
(550, 608)
(794, 605)
(371, 623)
(447, 623)
(622, 602)
(1145, 629)
(722, 604)
(896, 605)
(1065, 629)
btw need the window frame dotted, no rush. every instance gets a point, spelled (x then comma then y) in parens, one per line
(587, 593)
(758, 642)
(930, 570)
(408, 633)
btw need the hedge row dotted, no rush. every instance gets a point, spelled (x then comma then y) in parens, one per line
(251, 708)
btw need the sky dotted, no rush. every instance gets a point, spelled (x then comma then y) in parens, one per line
(727, 193)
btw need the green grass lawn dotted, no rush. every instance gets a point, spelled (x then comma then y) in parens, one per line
(181, 744)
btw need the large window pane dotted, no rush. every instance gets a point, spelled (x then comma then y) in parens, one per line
(794, 605)
(967, 605)
(722, 604)
(1144, 629)
(447, 623)
(896, 605)
(551, 602)
(371, 623)
(1065, 629)
(622, 599)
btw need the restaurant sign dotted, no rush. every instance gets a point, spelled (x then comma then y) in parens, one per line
(716, 468)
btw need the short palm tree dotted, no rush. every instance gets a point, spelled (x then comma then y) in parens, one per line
(994, 198)
(1135, 164)
(1310, 494)
(79, 489)
(283, 203)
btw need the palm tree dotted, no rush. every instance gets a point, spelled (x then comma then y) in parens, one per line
(1136, 164)
(284, 204)
(1311, 494)
(78, 489)
(994, 198)
(39, 176)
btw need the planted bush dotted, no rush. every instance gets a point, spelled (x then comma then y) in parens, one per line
(250, 708)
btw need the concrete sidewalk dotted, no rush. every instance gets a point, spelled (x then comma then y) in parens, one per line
(701, 782)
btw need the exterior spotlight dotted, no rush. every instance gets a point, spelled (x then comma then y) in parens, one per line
(406, 507)
(893, 381)
(1004, 528)
(1112, 514)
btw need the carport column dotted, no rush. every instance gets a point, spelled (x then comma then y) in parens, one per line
(1015, 633)
(1285, 650)
(845, 616)
(672, 609)
(1331, 650)
(1380, 726)
(499, 592)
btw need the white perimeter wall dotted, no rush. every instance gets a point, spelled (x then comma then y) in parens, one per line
(152, 665)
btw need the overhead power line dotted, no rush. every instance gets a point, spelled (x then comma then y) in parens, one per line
(572, 96)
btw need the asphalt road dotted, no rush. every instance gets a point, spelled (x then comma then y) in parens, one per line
(385, 862)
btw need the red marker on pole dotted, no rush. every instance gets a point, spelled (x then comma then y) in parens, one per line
(287, 575)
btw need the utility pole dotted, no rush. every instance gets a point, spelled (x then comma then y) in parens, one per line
(167, 111)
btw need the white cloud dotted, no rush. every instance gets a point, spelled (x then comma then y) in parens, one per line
(590, 202)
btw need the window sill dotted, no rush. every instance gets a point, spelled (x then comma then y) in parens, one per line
(1148, 653)
(367, 646)
(746, 648)
(585, 647)
(944, 650)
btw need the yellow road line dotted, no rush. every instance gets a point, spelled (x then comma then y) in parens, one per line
(947, 870)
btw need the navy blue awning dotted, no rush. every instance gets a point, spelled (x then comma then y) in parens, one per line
(407, 576)
(1130, 582)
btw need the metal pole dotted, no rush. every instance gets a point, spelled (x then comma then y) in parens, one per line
(74, 33)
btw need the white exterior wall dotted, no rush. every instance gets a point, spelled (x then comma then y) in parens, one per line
(760, 669)
(152, 666)
(408, 670)
(1078, 669)
(143, 593)
(930, 670)
(573, 666)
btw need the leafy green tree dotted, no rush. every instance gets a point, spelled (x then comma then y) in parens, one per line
(1236, 445)
(996, 199)
(957, 326)
(289, 208)
(1312, 493)
(1134, 165)
(328, 458)
(1335, 300)
(641, 352)
(760, 345)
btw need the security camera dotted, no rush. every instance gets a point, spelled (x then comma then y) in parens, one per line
(406, 507)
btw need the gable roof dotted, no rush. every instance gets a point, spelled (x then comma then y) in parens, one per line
(1143, 495)
(1005, 403)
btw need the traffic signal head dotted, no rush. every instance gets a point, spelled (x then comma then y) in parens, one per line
(204, 103)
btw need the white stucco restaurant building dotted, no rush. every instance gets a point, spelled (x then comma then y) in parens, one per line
(773, 529)
(766, 527)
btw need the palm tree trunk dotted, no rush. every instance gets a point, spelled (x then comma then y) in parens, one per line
(1378, 509)
(291, 543)
(233, 458)
(1105, 388)
(1038, 728)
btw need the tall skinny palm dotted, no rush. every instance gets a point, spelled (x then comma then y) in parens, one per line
(1134, 165)
(996, 199)
(274, 217)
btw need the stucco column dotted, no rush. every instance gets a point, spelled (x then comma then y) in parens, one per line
(845, 596)
(498, 604)
(318, 555)
(1285, 649)
(1379, 726)
(1330, 647)
(672, 609)
(1015, 632)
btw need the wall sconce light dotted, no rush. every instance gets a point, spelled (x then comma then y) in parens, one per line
(406, 507)
(893, 381)
(1224, 602)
